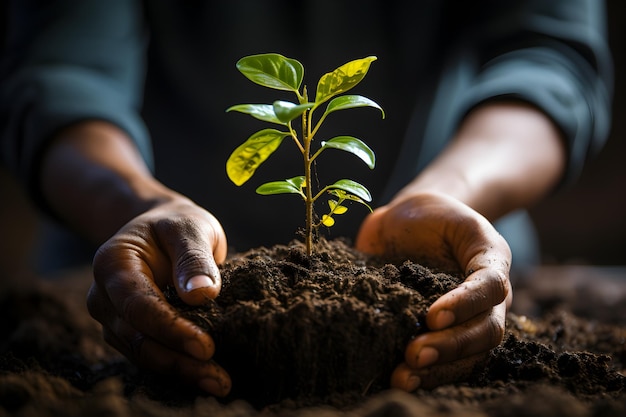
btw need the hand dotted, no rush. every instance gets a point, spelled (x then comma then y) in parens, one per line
(466, 322)
(176, 243)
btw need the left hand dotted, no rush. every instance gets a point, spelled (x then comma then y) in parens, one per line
(174, 243)
(467, 322)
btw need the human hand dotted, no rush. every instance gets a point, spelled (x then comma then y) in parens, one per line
(176, 243)
(466, 322)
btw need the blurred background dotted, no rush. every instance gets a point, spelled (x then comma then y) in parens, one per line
(586, 224)
(583, 225)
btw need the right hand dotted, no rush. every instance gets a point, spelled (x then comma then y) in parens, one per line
(178, 244)
(465, 323)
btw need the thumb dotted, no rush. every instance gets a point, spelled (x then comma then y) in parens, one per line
(196, 275)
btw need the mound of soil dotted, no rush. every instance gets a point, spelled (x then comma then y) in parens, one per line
(292, 326)
(557, 359)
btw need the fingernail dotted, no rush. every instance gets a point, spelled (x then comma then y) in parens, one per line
(198, 281)
(212, 386)
(427, 356)
(413, 383)
(444, 319)
(196, 349)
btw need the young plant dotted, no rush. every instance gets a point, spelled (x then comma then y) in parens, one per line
(278, 72)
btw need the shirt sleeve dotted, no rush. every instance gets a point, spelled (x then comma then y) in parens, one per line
(66, 61)
(553, 54)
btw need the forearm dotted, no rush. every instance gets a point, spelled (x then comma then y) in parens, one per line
(95, 180)
(504, 156)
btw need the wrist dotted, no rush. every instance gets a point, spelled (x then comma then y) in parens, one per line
(505, 156)
(94, 179)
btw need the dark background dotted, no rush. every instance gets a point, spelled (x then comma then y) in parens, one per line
(587, 222)
(584, 224)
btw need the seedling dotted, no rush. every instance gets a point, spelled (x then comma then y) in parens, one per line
(278, 72)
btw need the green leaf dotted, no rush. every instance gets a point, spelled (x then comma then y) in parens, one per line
(354, 146)
(273, 71)
(286, 111)
(350, 102)
(298, 182)
(244, 160)
(342, 79)
(279, 187)
(354, 188)
(263, 112)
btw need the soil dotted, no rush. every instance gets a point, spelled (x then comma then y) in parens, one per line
(319, 336)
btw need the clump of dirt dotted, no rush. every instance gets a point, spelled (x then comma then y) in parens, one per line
(292, 326)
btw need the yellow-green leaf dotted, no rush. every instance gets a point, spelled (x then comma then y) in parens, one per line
(336, 208)
(327, 220)
(342, 79)
(347, 196)
(244, 160)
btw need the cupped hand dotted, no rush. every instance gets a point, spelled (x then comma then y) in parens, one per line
(465, 323)
(176, 243)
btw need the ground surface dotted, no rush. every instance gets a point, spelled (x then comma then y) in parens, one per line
(564, 353)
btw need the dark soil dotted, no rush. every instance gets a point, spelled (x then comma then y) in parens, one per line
(320, 336)
(300, 327)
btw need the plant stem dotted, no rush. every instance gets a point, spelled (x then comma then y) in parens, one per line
(308, 202)
(307, 138)
(309, 208)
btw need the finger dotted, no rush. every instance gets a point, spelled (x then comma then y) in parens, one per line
(116, 332)
(191, 245)
(134, 346)
(405, 378)
(408, 379)
(480, 334)
(132, 296)
(207, 375)
(150, 355)
(486, 259)
(482, 290)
